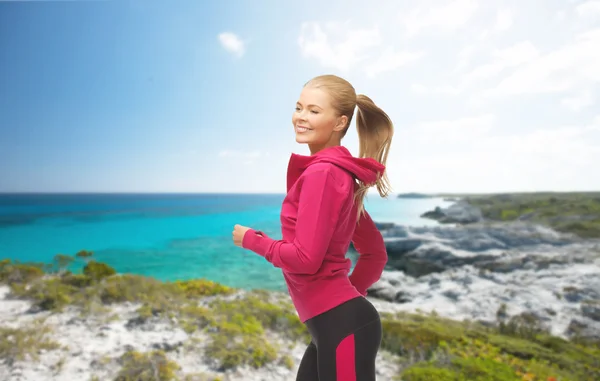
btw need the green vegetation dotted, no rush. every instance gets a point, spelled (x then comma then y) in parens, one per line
(433, 348)
(153, 366)
(239, 327)
(25, 343)
(577, 213)
(98, 284)
(234, 328)
(201, 377)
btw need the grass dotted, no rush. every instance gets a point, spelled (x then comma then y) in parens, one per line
(236, 329)
(576, 212)
(434, 348)
(151, 366)
(25, 343)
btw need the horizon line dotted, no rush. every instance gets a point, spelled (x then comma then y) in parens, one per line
(432, 194)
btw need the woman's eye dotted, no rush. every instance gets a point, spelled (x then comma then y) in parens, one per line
(314, 112)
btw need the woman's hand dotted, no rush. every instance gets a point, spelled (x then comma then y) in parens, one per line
(238, 234)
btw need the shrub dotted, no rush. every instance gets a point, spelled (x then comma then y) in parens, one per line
(417, 337)
(202, 287)
(276, 317)
(470, 369)
(62, 262)
(432, 348)
(233, 345)
(577, 213)
(25, 343)
(47, 294)
(238, 328)
(98, 270)
(152, 366)
(20, 273)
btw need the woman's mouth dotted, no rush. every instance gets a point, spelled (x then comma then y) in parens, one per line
(301, 129)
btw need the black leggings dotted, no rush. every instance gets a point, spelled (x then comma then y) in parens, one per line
(344, 345)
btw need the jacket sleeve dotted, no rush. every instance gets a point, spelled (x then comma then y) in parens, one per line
(369, 244)
(319, 207)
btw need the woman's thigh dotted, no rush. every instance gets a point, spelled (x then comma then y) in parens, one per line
(352, 358)
(345, 342)
(308, 370)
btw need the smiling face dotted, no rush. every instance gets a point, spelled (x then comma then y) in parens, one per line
(316, 121)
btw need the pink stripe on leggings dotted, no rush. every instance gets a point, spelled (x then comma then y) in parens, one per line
(344, 360)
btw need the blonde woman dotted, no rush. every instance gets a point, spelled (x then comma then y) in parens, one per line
(321, 214)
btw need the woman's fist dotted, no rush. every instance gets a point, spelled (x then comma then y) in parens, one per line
(238, 234)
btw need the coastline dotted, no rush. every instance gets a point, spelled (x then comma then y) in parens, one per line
(491, 253)
(453, 290)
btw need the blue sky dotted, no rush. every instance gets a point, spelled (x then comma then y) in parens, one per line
(198, 96)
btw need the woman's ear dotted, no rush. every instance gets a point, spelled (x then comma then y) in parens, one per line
(341, 123)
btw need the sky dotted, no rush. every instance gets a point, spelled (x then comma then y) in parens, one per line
(197, 96)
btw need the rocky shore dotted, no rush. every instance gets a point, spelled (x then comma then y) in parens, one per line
(490, 257)
(473, 271)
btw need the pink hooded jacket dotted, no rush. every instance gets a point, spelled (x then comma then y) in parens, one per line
(318, 222)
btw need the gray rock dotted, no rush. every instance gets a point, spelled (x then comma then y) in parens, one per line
(469, 271)
(460, 212)
(591, 309)
(402, 245)
(425, 250)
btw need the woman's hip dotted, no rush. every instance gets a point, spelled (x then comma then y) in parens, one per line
(342, 320)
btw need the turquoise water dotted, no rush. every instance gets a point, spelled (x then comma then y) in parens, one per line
(166, 236)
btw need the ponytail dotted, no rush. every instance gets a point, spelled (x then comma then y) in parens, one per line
(375, 132)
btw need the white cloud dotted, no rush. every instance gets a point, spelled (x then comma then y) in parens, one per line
(518, 83)
(437, 90)
(448, 17)
(337, 45)
(343, 47)
(578, 102)
(589, 9)
(463, 129)
(232, 43)
(476, 154)
(572, 65)
(465, 55)
(515, 55)
(391, 60)
(523, 69)
(504, 20)
(502, 59)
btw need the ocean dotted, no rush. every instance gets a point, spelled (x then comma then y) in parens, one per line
(165, 236)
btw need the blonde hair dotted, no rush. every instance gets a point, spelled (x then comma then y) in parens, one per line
(374, 126)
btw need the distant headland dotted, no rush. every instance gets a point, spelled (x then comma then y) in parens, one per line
(414, 195)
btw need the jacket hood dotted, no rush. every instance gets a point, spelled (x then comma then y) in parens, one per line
(366, 170)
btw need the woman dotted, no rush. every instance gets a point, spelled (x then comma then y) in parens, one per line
(321, 214)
